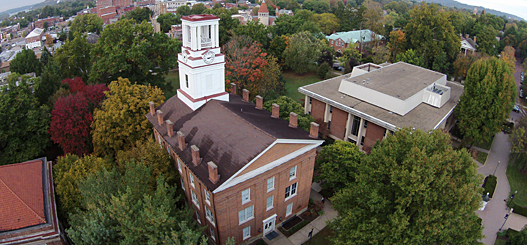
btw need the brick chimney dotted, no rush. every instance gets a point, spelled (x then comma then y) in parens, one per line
(245, 95)
(276, 111)
(152, 108)
(293, 120)
(259, 102)
(313, 133)
(159, 117)
(195, 155)
(475, 39)
(233, 88)
(170, 128)
(181, 140)
(466, 36)
(214, 177)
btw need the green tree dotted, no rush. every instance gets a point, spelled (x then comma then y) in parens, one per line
(411, 57)
(149, 152)
(183, 11)
(25, 123)
(487, 100)
(429, 32)
(288, 105)
(86, 23)
(139, 14)
(441, 64)
(227, 23)
(518, 139)
(48, 83)
(256, 32)
(121, 121)
(337, 164)
(487, 42)
(323, 69)
(373, 16)
(67, 172)
(124, 209)
(413, 188)
(133, 51)
(302, 52)
(25, 62)
(328, 23)
(277, 48)
(198, 8)
(397, 43)
(518, 238)
(167, 20)
(74, 58)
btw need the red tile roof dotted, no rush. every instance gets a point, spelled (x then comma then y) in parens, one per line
(22, 202)
(263, 8)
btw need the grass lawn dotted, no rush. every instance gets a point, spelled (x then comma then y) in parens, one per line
(517, 180)
(173, 78)
(482, 157)
(320, 238)
(500, 242)
(485, 145)
(293, 81)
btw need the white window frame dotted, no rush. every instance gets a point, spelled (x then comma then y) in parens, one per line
(267, 203)
(191, 180)
(292, 173)
(289, 210)
(212, 234)
(291, 191)
(197, 216)
(159, 140)
(245, 214)
(209, 215)
(207, 197)
(270, 184)
(246, 196)
(182, 184)
(179, 165)
(248, 230)
(195, 199)
(168, 151)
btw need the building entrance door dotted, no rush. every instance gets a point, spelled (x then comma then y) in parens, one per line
(269, 224)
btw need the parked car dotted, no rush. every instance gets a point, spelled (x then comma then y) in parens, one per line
(516, 108)
(521, 94)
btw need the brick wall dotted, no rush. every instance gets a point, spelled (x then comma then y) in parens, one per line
(339, 118)
(318, 109)
(373, 133)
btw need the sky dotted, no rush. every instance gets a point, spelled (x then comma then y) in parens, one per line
(515, 7)
(11, 4)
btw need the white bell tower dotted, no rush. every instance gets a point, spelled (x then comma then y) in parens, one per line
(201, 65)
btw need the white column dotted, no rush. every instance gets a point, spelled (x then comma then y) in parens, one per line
(359, 135)
(213, 36)
(349, 123)
(199, 37)
(217, 35)
(184, 35)
(193, 38)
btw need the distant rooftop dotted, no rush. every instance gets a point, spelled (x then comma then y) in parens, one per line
(355, 36)
(35, 33)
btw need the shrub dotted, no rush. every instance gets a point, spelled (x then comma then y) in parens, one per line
(323, 70)
(511, 232)
(490, 185)
(519, 210)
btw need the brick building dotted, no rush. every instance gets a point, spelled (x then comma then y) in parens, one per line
(28, 212)
(107, 9)
(365, 105)
(34, 38)
(50, 20)
(244, 170)
(361, 38)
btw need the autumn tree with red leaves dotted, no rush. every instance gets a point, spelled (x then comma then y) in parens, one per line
(72, 116)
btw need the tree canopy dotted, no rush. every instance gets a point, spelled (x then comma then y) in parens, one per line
(24, 128)
(139, 14)
(337, 164)
(412, 188)
(74, 58)
(302, 52)
(487, 100)
(288, 105)
(86, 23)
(133, 51)
(121, 120)
(25, 62)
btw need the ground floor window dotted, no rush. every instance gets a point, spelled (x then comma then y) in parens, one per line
(246, 232)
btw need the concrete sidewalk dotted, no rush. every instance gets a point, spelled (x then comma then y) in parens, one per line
(316, 225)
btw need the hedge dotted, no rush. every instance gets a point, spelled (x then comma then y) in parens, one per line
(511, 232)
(490, 185)
(520, 210)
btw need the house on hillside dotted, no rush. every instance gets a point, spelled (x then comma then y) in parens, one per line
(375, 100)
(28, 214)
(468, 46)
(34, 38)
(244, 171)
(361, 38)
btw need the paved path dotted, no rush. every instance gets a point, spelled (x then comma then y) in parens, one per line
(316, 225)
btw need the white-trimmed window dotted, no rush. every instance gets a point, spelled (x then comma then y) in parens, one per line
(195, 199)
(246, 214)
(292, 173)
(270, 202)
(207, 197)
(270, 184)
(159, 140)
(191, 179)
(182, 184)
(246, 196)
(246, 232)
(197, 217)
(168, 150)
(212, 234)
(290, 191)
(179, 165)
(210, 217)
(289, 210)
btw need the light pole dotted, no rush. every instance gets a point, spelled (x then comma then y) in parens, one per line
(506, 217)
(496, 168)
